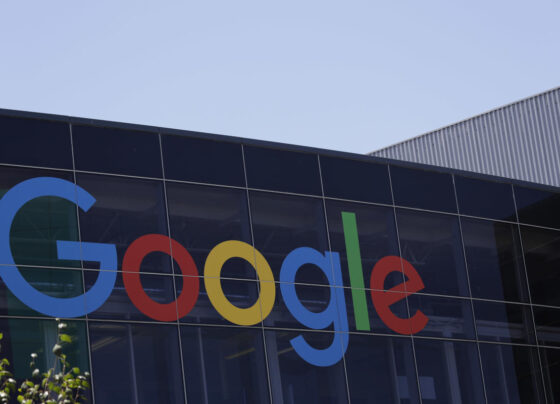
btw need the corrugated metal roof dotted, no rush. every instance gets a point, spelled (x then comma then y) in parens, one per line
(519, 140)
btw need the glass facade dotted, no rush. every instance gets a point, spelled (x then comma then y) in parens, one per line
(485, 250)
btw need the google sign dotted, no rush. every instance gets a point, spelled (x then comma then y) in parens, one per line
(334, 315)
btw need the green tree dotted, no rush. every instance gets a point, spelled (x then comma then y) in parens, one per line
(61, 384)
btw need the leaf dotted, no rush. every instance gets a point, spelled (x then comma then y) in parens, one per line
(76, 371)
(65, 337)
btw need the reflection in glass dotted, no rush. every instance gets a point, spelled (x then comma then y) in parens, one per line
(504, 322)
(547, 322)
(201, 217)
(355, 180)
(449, 372)
(448, 318)
(494, 260)
(58, 283)
(431, 242)
(125, 209)
(224, 365)
(293, 380)
(381, 370)
(282, 223)
(542, 258)
(423, 189)
(550, 360)
(40, 222)
(511, 374)
(538, 206)
(135, 363)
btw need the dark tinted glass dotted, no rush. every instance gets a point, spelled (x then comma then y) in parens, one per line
(356, 180)
(135, 363)
(35, 142)
(432, 244)
(542, 259)
(504, 322)
(58, 283)
(23, 337)
(282, 170)
(423, 189)
(547, 321)
(202, 217)
(40, 222)
(494, 260)
(125, 209)
(377, 237)
(539, 207)
(314, 298)
(485, 198)
(511, 374)
(116, 151)
(293, 380)
(282, 223)
(381, 370)
(118, 305)
(202, 160)
(224, 365)
(448, 318)
(242, 294)
(449, 372)
(550, 359)
(377, 325)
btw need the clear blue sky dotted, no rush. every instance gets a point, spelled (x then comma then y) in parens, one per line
(345, 75)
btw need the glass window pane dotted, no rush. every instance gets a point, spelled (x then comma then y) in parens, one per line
(201, 217)
(224, 365)
(512, 374)
(432, 244)
(24, 337)
(281, 170)
(547, 321)
(377, 237)
(282, 223)
(448, 318)
(116, 151)
(449, 372)
(35, 142)
(538, 207)
(550, 359)
(135, 363)
(125, 209)
(542, 259)
(240, 293)
(118, 305)
(423, 189)
(202, 160)
(59, 283)
(40, 222)
(293, 380)
(485, 198)
(381, 370)
(355, 180)
(494, 260)
(504, 322)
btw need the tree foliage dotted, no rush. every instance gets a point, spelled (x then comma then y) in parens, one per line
(61, 384)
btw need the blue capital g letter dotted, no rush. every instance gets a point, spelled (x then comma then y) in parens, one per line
(105, 254)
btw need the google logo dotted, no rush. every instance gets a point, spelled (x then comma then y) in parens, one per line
(334, 315)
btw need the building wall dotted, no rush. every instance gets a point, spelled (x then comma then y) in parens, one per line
(520, 141)
(480, 256)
